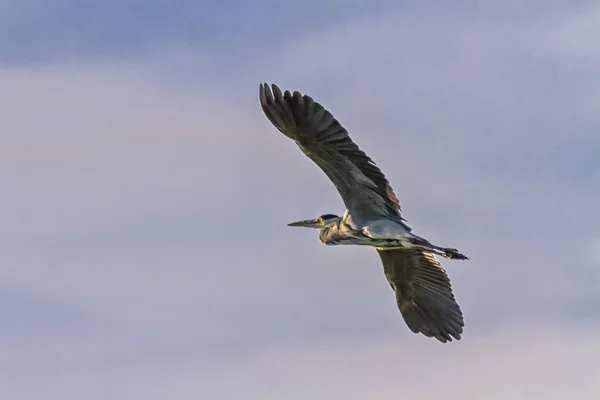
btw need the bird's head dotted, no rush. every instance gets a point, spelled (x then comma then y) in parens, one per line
(320, 222)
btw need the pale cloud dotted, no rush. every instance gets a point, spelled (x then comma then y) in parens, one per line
(144, 217)
(521, 362)
(591, 252)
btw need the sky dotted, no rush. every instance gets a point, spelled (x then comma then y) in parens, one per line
(144, 250)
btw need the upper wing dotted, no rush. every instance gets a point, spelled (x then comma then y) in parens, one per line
(424, 293)
(361, 184)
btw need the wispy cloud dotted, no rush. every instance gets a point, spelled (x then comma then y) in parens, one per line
(145, 198)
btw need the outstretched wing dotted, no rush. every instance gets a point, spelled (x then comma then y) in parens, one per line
(423, 293)
(361, 184)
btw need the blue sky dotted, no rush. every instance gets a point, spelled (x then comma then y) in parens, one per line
(58, 30)
(133, 144)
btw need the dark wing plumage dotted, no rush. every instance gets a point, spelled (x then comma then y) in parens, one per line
(423, 293)
(363, 187)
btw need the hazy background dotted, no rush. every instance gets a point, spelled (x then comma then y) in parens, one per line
(144, 252)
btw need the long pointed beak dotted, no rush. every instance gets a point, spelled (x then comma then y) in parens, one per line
(307, 223)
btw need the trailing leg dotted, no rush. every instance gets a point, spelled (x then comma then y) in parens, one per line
(445, 252)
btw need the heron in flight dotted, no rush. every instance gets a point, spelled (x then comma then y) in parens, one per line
(372, 217)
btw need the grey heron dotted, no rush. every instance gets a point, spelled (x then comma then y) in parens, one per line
(372, 218)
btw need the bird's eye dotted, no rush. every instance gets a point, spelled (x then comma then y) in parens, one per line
(320, 220)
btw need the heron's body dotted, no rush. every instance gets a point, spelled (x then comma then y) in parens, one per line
(372, 217)
(382, 234)
(344, 231)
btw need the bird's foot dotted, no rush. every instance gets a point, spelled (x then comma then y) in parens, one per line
(453, 254)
